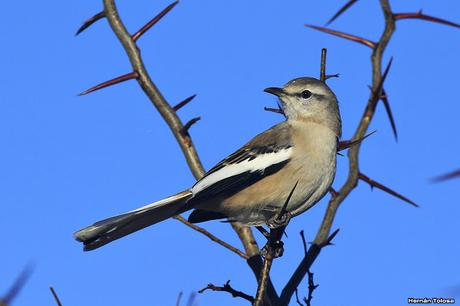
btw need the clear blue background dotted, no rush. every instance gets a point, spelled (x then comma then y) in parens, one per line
(67, 161)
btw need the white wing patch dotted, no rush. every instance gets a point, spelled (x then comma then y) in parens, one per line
(259, 163)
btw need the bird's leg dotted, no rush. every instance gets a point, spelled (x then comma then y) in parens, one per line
(277, 225)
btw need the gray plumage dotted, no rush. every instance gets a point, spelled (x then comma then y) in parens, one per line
(252, 184)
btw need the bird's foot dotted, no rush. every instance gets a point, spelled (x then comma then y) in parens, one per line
(279, 220)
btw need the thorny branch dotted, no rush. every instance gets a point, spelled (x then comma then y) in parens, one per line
(180, 131)
(354, 173)
(175, 124)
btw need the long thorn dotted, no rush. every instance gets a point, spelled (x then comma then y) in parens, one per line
(345, 144)
(189, 124)
(341, 11)
(284, 208)
(386, 103)
(18, 284)
(375, 184)
(351, 37)
(421, 16)
(184, 102)
(120, 79)
(378, 91)
(152, 22)
(90, 21)
(447, 176)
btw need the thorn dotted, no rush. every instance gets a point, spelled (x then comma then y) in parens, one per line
(345, 144)
(330, 238)
(274, 110)
(18, 284)
(446, 176)
(333, 192)
(284, 208)
(386, 103)
(188, 125)
(120, 79)
(304, 242)
(351, 37)
(184, 102)
(329, 76)
(90, 21)
(421, 16)
(375, 184)
(342, 10)
(378, 91)
(153, 21)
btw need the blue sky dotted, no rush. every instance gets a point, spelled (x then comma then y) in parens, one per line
(68, 161)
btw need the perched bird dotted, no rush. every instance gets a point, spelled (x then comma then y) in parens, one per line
(252, 184)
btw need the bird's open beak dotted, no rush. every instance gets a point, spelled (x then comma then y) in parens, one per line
(275, 91)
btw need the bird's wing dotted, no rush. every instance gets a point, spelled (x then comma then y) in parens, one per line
(264, 155)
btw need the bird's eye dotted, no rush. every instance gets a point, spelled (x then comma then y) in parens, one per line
(305, 94)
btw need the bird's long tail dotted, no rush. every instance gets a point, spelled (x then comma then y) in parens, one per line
(110, 229)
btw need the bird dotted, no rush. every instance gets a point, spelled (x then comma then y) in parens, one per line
(251, 185)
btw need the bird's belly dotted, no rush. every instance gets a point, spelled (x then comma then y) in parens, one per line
(263, 200)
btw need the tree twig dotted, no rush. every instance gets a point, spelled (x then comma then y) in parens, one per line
(56, 297)
(227, 288)
(212, 237)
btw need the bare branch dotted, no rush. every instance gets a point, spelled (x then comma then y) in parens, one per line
(227, 288)
(117, 80)
(311, 287)
(421, 16)
(447, 176)
(341, 11)
(56, 298)
(90, 21)
(303, 268)
(154, 20)
(322, 70)
(375, 184)
(212, 237)
(297, 298)
(184, 102)
(351, 37)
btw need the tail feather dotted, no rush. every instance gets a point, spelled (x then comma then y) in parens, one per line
(113, 228)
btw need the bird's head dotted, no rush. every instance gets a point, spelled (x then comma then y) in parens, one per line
(309, 99)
